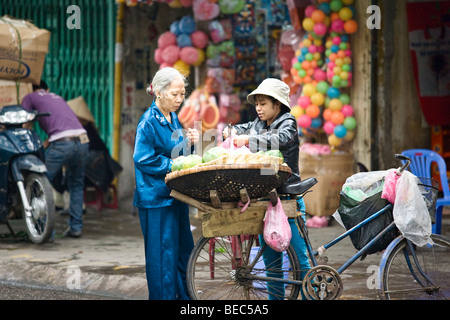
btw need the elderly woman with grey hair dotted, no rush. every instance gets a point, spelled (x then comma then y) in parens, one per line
(164, 220)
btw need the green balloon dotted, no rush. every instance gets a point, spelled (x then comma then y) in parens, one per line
(335, 5)
(302, 73)
(350, 123)
(345, 98)
(322, 87)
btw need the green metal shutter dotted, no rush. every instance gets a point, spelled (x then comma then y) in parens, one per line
(80, 62)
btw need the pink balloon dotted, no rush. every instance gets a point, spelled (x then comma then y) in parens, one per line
(320, 75)
(304, 101)
(337, 25)
(159, 56)
(186, 3)
(309, 10)
(189, 55)
(320, 29)
(304, 121)
(347, 110)
(171, 54)
(328, 127)
(199, 39)
(166, 39)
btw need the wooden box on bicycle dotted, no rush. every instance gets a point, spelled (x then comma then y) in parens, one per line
(217, 190)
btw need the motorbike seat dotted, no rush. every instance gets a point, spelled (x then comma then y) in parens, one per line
(297, 188)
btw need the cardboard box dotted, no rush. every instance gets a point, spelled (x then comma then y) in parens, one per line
(23, 48)
(8, 92)
(331, 171)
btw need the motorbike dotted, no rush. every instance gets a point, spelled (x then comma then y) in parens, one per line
(25, 192)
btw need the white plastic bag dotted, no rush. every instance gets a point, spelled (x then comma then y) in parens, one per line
(410, 211)
(277, 231)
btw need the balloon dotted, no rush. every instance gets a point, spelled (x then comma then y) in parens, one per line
(182, 67)
(158, 56)
(308, 24)
(171, 54)
(304, 101)
(335, 5)
(351, 26)
(337, 26)
(189, 55)
(201, 57)
(333, 92)
(335, 104)
(327, 114)
(318, 16)
(174, 28)
(313, 111)
(322, 87)
(328, 127)
(320, 29)
(183, 40)
(309, 10)
(337, 118)
(297, 111)
(316, 123)
(318, 99)
(350, 135)
(347, 2)
(350, 123)
(166, 39)
(340, 131)
(309, 89)
(304, 121)
(199, 39)
(345, 98)
(345, 13)
(347, 110)
(334, 141)
(186, 3)
(175, 4)
(187, 25)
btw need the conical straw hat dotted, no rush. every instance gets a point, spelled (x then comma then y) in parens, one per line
(80, 108)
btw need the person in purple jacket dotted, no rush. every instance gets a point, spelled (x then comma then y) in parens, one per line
(67, 145)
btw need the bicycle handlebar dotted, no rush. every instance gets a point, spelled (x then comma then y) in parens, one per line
(402, 158)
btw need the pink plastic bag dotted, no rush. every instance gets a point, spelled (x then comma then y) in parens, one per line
(390, 183)
(277, 231)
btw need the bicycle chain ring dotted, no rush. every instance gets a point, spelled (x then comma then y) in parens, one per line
(322, 283)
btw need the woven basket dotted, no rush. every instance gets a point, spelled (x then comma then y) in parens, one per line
(227, 180)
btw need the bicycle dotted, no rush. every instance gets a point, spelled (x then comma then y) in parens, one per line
(231, 268)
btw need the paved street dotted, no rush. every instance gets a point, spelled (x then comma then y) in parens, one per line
(108, 260)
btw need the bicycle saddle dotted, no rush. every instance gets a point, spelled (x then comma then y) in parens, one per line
(297, 188)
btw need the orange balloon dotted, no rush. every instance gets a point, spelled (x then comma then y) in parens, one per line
(337, 118)
(350, 26)
(334, 16)
(327, 114)
(313, 111)
(306, 65)
(318, 15)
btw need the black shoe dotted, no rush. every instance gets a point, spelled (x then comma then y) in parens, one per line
(71, 233)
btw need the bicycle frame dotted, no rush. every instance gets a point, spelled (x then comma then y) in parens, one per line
(312, 254)
(361, 252)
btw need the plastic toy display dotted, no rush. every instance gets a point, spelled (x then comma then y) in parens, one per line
(323, 67)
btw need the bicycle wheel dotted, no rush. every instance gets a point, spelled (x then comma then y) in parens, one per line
(224, 268)
(401, 279)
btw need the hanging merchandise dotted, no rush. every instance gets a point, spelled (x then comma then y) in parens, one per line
(323, 67)
(182, 46)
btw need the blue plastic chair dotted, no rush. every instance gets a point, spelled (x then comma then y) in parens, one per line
(420, 166)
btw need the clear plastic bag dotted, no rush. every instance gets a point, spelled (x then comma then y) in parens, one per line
(410, 210)
(277, 231)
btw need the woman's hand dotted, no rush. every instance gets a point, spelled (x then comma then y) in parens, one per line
(193, 136)
(240, 141)
(225, 133)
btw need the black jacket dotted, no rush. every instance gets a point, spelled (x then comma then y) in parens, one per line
(282, 134)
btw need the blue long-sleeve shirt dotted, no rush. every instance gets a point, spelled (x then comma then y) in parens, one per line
(157, 143)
